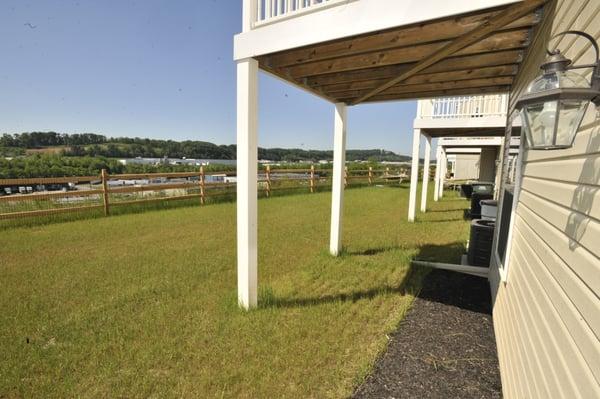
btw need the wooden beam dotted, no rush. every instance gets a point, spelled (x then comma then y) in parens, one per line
(356, 76)
(478, 61)
(436, 31)
(348, 86)
(435, 87)
(504, 18)
(499, 41)
(432, 94)
(447, 65)
(449, 85)
(475, 73)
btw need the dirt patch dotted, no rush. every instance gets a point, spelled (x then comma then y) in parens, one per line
(444, 348)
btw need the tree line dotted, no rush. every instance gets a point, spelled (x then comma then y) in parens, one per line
(49, 165)
(96, 145)
(53, 165)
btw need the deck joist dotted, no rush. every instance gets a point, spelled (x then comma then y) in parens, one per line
(469, 54)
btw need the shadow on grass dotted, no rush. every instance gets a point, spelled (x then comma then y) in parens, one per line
(440, 220)
(371, 251)
(457, 199)
(462, 208)
(447, 253)
(411, 284)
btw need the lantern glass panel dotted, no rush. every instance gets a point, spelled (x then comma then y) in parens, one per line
(569, 118)
(540, 120)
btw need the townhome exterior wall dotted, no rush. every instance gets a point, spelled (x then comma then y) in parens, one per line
(546, 297)
(466, 167)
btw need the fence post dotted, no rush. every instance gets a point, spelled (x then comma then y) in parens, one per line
(268, 176)
(105, 191)
(345, 176)
(312, 178)
(370, 175)
(202, 200)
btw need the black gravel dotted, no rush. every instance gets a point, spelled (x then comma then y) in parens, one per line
(445, 346)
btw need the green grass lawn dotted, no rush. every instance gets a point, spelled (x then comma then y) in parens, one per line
(145, 304)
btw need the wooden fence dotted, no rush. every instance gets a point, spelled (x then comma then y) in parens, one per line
(103, 192)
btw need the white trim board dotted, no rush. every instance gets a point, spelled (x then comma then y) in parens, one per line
(456, 123)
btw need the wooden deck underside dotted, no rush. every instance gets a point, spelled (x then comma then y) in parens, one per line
(470, 54)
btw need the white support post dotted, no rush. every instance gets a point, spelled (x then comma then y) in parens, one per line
(425, 173)
(337, 190)
(443, 171)
(247, 174)
(414, 176)
(438, 165)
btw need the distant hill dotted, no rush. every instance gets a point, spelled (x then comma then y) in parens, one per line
(90, 144)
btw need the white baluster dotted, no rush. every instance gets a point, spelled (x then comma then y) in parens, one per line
(484, 105)
(471, 106)
(481, 105)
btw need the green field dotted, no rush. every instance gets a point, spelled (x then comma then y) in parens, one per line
(144, 304)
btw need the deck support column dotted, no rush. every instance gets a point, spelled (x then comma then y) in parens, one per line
(443, 171)
(425, 173)
(438, 164)
(337, 190)
(247, 173)
(414, 175)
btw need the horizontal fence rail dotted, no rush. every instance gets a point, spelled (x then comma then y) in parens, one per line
(463, 107)
(38, 197)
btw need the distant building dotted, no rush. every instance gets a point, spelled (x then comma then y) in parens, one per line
(175, 161)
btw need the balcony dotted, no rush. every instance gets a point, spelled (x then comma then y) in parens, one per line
(463, 107)
(463, 115)
(269, 11)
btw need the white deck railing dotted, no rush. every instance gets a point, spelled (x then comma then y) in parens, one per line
(266, 11)
(463, 107)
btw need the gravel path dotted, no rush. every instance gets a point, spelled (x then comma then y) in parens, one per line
(444, 348)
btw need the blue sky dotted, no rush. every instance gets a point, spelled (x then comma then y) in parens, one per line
(159, 69)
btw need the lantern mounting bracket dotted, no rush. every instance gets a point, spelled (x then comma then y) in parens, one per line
(556, 54)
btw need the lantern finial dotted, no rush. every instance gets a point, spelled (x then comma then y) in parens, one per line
(556, 63)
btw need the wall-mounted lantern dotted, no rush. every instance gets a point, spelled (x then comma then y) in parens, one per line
(555, 102)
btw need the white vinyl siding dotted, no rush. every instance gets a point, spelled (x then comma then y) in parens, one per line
(466, 167)
(547, 315)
